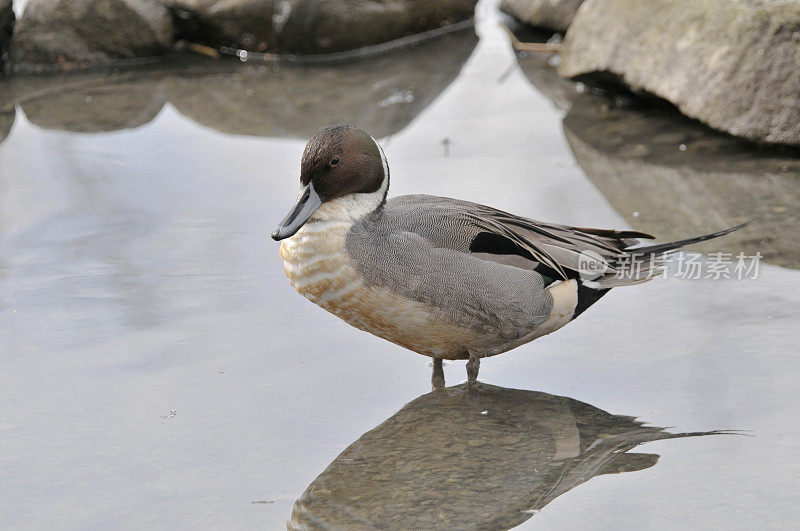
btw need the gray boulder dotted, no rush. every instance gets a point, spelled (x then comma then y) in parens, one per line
(6, 26)
(313, 26)
(733, 65)
(554, 15)
(80, 33)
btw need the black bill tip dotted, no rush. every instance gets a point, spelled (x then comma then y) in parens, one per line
(307, 203)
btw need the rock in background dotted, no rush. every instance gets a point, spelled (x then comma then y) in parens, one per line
(732, 64)
(312, 26)
(554, 15)
(79, 33)
(6, 26)
(672, 176)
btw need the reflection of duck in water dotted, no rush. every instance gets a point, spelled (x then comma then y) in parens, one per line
(455, 460)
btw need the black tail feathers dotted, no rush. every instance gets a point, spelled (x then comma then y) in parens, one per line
(671, 246)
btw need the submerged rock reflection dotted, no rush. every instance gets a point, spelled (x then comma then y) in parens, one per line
(6, 122)
(381, 94)
(454, 460)
(670, 176)
(121, 102)
(674, 177)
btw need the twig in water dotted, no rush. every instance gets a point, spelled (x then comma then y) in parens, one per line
(202, 49)
(530, 46)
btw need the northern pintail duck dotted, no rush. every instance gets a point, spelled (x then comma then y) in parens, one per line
(442, 277)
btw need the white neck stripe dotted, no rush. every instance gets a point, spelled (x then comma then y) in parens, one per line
(385, 164)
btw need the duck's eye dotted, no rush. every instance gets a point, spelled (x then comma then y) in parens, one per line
(334, 161)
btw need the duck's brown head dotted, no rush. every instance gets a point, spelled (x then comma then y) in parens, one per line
(338, 161)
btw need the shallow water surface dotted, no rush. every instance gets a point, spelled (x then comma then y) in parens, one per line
(159, 371)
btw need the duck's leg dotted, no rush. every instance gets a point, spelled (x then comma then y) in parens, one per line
(437, 379)
(473, 366)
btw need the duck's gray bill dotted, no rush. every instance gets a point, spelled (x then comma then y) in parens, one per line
(308, 202)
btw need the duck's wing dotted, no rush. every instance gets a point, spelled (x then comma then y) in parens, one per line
(557, 252)
(599, 258)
